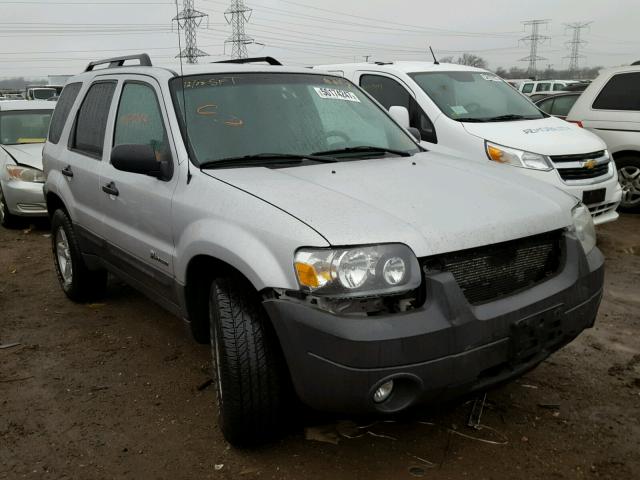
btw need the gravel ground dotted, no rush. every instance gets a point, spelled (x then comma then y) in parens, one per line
(118, 390)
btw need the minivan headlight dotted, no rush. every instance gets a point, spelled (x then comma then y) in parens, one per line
(357, 271)
(583, 227)
(25, 174)
(517, 158)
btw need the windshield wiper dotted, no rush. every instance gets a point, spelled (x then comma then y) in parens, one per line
(471, 120)
(506, 118)
(264, 158)
(364, 149)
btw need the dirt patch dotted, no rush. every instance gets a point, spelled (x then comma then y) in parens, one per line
(117, 389)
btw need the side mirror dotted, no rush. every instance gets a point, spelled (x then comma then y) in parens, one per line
(416, 133)
(138, 159)
(400, 115)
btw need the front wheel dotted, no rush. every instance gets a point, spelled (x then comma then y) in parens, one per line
(7, 219)
(78, 282)
(629, 178)
(248, 367)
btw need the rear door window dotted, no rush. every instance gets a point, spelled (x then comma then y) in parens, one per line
(557, 87)
(543, 87)
(527, 88)
(91, 121)
(61, 112)
(622, 92)
(546, 105)
(390, 93)
(562, 105)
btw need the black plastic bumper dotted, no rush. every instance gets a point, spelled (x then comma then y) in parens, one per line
(443, 349)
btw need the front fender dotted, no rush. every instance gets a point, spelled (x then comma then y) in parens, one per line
(265, 258)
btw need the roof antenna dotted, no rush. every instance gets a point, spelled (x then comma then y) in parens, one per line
(184, 102)
(435, 60)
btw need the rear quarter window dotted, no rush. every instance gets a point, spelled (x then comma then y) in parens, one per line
(527, 88)
(61, 112)
(622, 92)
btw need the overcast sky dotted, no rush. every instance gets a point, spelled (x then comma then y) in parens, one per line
(59, 37)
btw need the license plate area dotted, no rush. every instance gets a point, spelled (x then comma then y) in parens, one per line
(531, 335)
(591, 197)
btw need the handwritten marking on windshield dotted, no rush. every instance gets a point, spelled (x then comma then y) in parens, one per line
(211, 82)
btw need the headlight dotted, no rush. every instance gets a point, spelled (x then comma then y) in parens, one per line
(517, 158)
(583, 227)
(25, 174)
(357, 271)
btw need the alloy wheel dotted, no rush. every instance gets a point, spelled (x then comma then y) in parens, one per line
(629, 177)
(63, 256)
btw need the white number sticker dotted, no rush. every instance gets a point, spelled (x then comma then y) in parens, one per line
(335, 94)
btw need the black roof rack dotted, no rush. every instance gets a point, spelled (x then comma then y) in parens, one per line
(383, 63)
(636, 63)
(144, 59)
(269, 60)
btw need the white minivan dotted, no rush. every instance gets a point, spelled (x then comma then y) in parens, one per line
(473, 114)
(610, 108)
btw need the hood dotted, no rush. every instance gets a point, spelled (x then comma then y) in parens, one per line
(431, 202)
(546, 136)
(29, 154)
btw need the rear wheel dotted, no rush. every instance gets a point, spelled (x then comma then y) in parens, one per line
(629, 178)
(7, 219)
(248, 368)
(78, 282)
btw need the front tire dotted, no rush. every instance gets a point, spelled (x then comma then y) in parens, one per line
(629, 178)
(248, 368)
(7, 219)
(78, 282)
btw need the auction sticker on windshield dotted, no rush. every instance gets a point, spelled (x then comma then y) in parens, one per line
(336, 94)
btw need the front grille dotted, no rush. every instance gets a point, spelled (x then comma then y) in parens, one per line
(576, 171)
(579, 157)
(487, 273)
(583, 173)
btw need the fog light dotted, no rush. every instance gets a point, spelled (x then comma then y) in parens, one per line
(383, 392)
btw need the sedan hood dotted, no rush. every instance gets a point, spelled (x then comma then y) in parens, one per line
(431, 202)
(29, 154)
(546, 136)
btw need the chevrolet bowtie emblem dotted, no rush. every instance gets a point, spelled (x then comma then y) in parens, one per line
(590, 164)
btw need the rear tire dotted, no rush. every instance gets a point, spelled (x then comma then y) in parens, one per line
(249, 372)
(78, 282)
(629, 178)
(7, 219)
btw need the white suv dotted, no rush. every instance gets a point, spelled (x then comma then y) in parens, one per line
(610, 107)
(473, 114)
(309, 239)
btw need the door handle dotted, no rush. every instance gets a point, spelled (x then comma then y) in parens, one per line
(67, 172)
(111, 189)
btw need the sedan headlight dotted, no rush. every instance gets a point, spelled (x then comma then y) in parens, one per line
(25, 174)
(357, 271)
(517, 158)
(583, 227)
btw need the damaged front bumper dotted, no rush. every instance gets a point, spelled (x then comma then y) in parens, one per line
(442, 349)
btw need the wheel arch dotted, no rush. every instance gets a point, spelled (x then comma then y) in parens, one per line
(625, 153)
(54, 202)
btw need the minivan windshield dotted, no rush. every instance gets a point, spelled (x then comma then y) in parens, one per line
(230, 116)
(475, 97)
(24, 126)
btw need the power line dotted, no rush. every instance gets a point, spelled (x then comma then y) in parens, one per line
(189, 19)
(575, 43)
(236, 15)
(533, 40)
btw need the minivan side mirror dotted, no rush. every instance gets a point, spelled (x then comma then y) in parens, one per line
(138, 159)
(400, 115)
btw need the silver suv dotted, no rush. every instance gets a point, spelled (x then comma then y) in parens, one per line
(309, 239)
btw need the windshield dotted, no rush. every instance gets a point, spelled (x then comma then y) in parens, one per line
(242, 114)
(26, 126)
(475, 96)
(43, 93)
